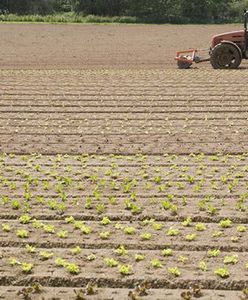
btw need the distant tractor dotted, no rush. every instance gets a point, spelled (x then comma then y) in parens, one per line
(226, 52)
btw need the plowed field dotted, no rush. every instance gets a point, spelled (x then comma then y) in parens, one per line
(43, 46)
(120, 179)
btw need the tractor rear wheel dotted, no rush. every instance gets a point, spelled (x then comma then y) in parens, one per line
(225, 56)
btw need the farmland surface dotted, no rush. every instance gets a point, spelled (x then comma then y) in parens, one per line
(120, 176)
(43, 46)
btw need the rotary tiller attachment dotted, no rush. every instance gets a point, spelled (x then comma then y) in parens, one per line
(185, 59)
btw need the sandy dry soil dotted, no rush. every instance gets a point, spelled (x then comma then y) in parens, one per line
(128, 112)
(101, 46)
(9, 293)
(193, 206)
(114, 125)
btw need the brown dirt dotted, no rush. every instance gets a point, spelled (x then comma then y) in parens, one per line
(119, 93)
(9, 293)
(106, 276)
(82, 174)
(26, 46)
(123, 111)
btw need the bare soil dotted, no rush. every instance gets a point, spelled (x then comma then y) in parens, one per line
(10, 293)
(126, 112)
(51, 189)
(95, 121)
(45, 46)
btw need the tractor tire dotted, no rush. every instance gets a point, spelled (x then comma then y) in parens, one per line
(225, 56)
(184, 64)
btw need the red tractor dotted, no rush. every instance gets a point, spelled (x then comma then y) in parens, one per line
(226, 52)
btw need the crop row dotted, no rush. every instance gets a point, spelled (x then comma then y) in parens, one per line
(121, 263)
(120, 208)
(169, 160)
(146, 234)
(209, 187)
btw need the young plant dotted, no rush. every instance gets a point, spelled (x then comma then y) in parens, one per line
(6, 227)
(72, 268)
(139, 257)
(111, 262)
(244, 295)
(37, 224)
(78, 224)
(156, 263)
(203, 266)
(91, 288)
(200, 227)
(45, 255)
(187, 222)
(183, 259)
(211, 209)
(100, 208)
(213, 253)
(49, 228)
(222, 272)
(105, 221)
(217, 234)
(76, 250)
(174, 210)
(190, 179)
(157, 179)
(26, 267)
(22, 233)
(135, 209)
(235, 239)
(15, 204)
(69, 220)
(190, 237)
(5, 200)
(231, 259)
(121, 251)
(125, 270)
(88, 203)
(62, 234)
(13, 261)
(119, 226)
(146, 236)
(104, 235)
(167, 252)
(157, 226)
(30, 249)
(129, 230)
(25, 219)
(91, 257)
(241, 228)
(112, 200)
(225, 223)
(60, 262)
(173, 231)
(86, 229)
(174, 272)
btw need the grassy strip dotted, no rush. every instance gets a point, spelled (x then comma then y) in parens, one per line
(66, 18)
(71, 17)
